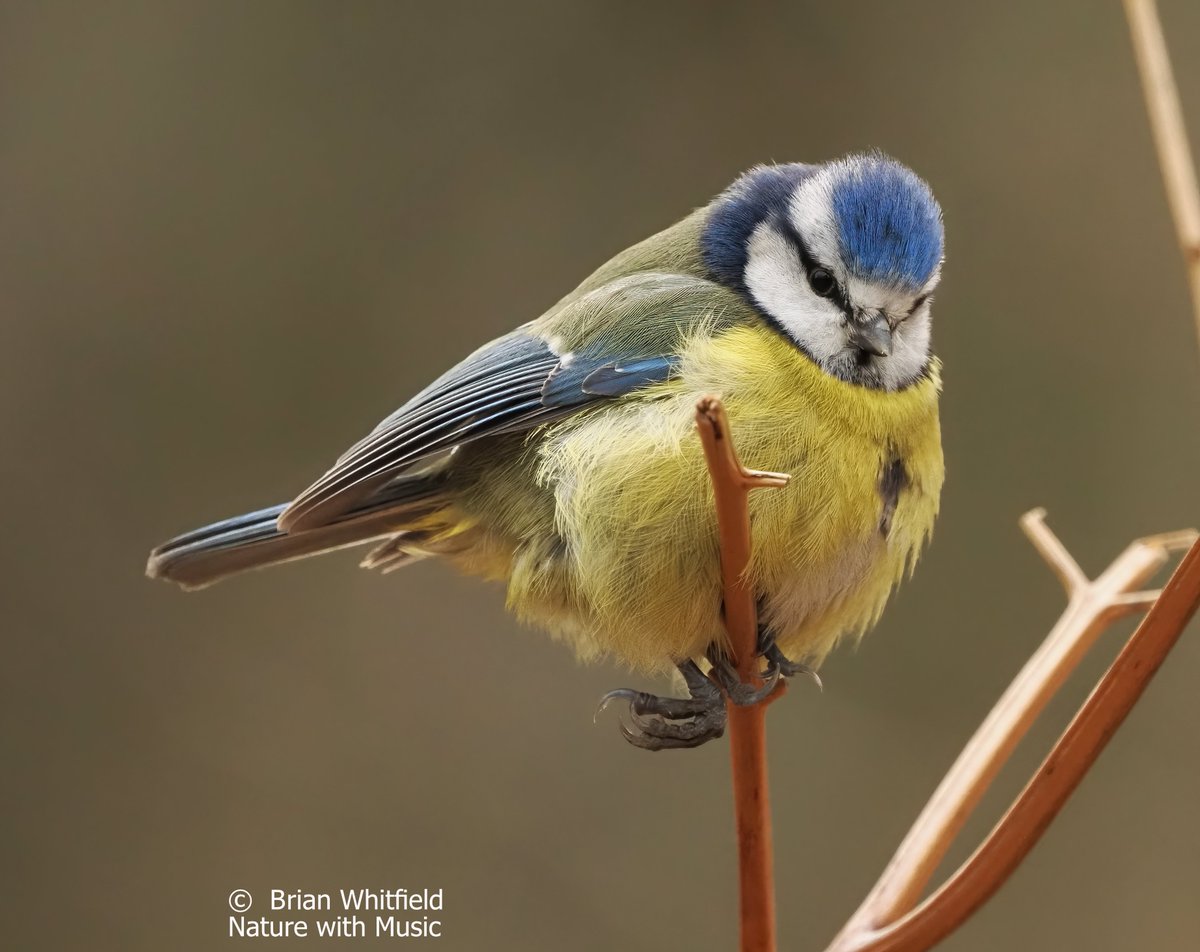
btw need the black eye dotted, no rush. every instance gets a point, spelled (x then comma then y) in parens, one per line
(822, 282)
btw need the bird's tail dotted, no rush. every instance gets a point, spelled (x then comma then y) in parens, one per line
(203, 556)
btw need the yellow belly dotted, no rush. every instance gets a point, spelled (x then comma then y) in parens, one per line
(633, 507)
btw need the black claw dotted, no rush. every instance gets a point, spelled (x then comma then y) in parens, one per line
(778, 661)
(640, 702)
(742, 694)
(662, 723)
(650, 737)
(669, 723)
(620, 694)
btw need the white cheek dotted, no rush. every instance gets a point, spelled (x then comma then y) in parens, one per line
(775, 277)
(910, 351)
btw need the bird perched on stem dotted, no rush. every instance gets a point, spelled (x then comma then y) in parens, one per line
(561, 458)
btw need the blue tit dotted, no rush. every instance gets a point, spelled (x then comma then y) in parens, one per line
(562, 458)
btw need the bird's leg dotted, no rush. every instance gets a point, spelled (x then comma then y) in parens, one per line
(777, 662)
(664, 723)
(741, 693)
(726, 675)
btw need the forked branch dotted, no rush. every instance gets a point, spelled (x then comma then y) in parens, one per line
(887, 920)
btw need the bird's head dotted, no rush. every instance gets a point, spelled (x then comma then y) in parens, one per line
(841, 257)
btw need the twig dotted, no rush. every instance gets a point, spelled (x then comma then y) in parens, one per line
(1170, 135)
(732, 483)
(887, 920)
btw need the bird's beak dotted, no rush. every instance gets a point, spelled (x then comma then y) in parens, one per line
(872, 335)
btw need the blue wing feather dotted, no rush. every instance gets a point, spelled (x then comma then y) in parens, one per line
(516, 383)
(616, 379)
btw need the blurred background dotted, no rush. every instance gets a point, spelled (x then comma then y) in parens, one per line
(234, 236)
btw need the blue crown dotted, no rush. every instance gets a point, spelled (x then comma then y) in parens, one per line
(889, 224)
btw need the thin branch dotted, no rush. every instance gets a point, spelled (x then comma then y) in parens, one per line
(1134, 602)
(887, 919)
(1061, 562)
(732, 483)
(1170, 135)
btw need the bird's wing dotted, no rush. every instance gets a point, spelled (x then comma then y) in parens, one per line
(608, 343)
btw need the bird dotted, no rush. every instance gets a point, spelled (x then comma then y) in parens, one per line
(561, 458)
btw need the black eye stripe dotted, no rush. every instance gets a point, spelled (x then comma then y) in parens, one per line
(838, 295)
(917, 305)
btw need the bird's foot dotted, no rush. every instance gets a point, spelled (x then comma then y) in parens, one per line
(779, 664)
(738, 691)
(667, 723)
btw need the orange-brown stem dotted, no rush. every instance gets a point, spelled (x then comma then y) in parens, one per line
(878, 928)
(732, 483)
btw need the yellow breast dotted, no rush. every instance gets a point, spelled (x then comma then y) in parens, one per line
(867, 474)
(634, 505)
